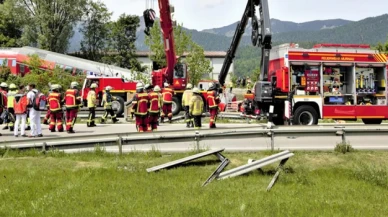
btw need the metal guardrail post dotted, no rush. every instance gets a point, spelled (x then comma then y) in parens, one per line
(343, 136)
(120, 144)
(197, 139)
(44, 147)
(272, 135)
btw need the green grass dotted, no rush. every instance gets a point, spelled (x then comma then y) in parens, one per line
(103, 184)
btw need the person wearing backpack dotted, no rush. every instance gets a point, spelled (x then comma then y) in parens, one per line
(20, 108)
(72, 102)
(36, 128)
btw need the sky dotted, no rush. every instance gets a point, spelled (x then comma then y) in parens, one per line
(207, 14)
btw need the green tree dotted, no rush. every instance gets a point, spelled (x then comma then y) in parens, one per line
(11, 24)
(95, 30)
(122, 43)
(198, 65)
(51, 23)
(382, 48)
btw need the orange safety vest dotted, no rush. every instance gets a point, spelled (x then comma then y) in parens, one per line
(20, 107)
(140, 104)
(212, 99)
(167, 95)
(71, 98)
(54, 100)
(154, 103)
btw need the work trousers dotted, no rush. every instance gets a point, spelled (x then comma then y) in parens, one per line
(167, 110)
(112, 114)
(188, 118)
(71, 118)
(141, 123)
(11, 118)
(213, 117)
(197, 121)
(91, 118)
(153, 122)
(22, 118)
(46, 118)
(56, 119)
(36, 128)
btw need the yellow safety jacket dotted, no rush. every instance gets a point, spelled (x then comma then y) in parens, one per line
(107, 105)
(196, 105)
(92, 99)
(186, 97)
(10, 97)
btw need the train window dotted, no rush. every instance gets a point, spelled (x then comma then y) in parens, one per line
(13, 63)
(79, 71)
(3, 62)
(69, 69)
(22, 68)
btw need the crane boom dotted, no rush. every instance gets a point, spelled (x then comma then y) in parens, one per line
(261, 36)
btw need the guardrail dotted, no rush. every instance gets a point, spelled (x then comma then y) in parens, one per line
(197, 137)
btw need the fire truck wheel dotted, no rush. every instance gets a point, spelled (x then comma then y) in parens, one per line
(372, 121)
(305, 115)
(176, 106)
(118, 105)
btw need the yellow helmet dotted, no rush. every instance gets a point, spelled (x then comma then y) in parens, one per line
(157, 88)
(12, 86)
(195, 90)
(74, 84)
(94, 85)
(189, 86)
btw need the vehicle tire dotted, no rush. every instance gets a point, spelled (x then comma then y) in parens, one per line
(372, 121)
(176, 106)
(118, 105)
(305, 115)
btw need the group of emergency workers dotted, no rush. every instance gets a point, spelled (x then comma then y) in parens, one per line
(148, 105)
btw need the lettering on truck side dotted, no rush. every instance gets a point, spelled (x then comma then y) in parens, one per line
(338, 58)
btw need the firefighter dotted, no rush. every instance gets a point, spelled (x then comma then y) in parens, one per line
(186, 105)
(154, 109)
(3, 108)
(107, 99)
(92, 104)
(148, 88)
(196, 108)
(158, 90)
(55, 107)
(46, 118)
(10, 102)
(167, 94)
(212, 102)
(72, 102)
(140, 108)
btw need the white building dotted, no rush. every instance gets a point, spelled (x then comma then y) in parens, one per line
(216, 59)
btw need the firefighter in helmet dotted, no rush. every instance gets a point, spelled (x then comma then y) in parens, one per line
(212, 102)
(3, 105)
(158, 90)
(167, 94)
(46, 118)
(107, 100)
(186, 105)
(154, 109)
(92, 104)
(13, 90)
(140, 108)
(196, 108)
(73, 103)
(55, 107)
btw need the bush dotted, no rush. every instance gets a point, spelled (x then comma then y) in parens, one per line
(343, 147)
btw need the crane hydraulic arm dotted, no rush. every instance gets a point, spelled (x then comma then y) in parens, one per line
(261, 36)
(166, 24)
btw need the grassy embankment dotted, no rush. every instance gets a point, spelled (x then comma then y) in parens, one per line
(103, 184)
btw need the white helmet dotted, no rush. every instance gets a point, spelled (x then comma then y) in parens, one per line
(12, 86)
(55, 87)
(139, 86)
(108, 88)
(195, 90)
(211, 85)
(189, 86)
(3, 84)
(157, 88)
(147, 86)
(166, 84)
(74, 84)
(94, 85)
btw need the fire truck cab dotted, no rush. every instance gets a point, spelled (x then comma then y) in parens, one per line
(329, 81)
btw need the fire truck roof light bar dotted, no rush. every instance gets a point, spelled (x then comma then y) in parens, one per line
(216, 152)
(282, 157)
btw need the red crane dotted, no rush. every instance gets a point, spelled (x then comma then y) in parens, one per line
(174, 73)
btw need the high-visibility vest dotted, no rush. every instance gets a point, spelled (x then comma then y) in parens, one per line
(10, 98)
(186, 97)
(196, 105)
(92, 99)
(54, 101)
(20, 104)
(72, 99)
(167, 95)
(212, 99)
(154, 103)
(140, 104)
